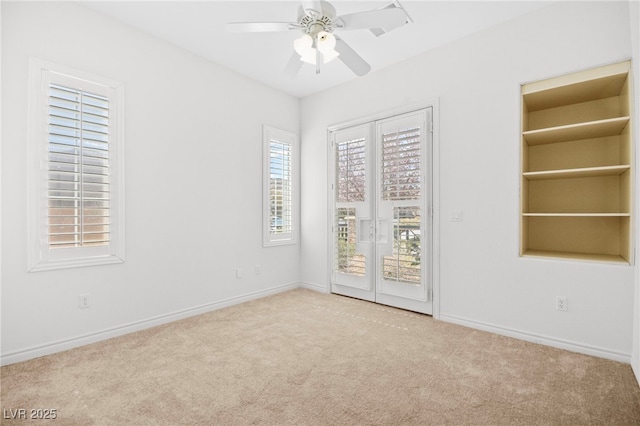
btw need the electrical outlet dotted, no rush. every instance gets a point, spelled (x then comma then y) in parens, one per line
(258, 269)
(83, 301)
(455, 216)
(238, 273)
(561, 304)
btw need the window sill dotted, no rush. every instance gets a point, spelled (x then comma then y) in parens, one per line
(75, 263)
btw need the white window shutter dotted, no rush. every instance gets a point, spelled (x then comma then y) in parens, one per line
(78, 177)
(76, 155)
(351, 168)
(279, 187)
(401, 164)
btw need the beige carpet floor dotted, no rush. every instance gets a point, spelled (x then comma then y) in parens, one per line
(306, 358)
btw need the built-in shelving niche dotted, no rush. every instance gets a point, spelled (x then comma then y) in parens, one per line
(577, 166)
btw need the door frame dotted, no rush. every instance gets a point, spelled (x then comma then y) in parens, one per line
(435, 190)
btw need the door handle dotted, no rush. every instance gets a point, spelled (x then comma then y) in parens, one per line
(381, 235)
(366, 230)
(383, 238)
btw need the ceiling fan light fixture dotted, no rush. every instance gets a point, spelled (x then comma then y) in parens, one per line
(304, 45)
(310, 57)
(326, 41)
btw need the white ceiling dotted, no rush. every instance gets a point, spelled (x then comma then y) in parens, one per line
(199, 27)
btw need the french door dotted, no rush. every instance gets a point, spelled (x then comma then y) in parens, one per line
(381, 211)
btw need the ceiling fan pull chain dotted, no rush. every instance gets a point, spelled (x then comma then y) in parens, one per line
(315, 44)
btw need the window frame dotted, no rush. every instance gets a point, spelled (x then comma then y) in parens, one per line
(40, 256)
(270, 239)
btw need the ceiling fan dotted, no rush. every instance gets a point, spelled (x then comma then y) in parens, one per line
(317, 21)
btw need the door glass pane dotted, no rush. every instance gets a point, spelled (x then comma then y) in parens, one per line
(350, 170)
(404, 265)
(401, 164)
(348, 261)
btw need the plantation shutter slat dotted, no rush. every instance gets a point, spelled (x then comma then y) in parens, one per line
(351, 169)
(280, 193)
(401, 159)
(78, 168)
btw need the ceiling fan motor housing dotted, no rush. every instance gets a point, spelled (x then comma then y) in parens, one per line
(312, 21)
(312, 25)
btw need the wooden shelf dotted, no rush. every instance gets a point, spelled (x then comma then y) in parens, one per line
(597, 83)
(576, 164)
(572, 132)
(609, 258)
(577, 173)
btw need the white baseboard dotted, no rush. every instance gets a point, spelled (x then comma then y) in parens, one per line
(539, 339)
(74, 342)
(315, 287)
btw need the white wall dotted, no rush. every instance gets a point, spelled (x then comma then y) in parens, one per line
(483, 282)
(185, 172)
(193, 184)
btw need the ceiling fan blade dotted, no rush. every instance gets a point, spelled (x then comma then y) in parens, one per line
(382, 18)
(311, 5)
(380, 31)
(257, 27)
(294, 65)
(318, 7)
(351, 59)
